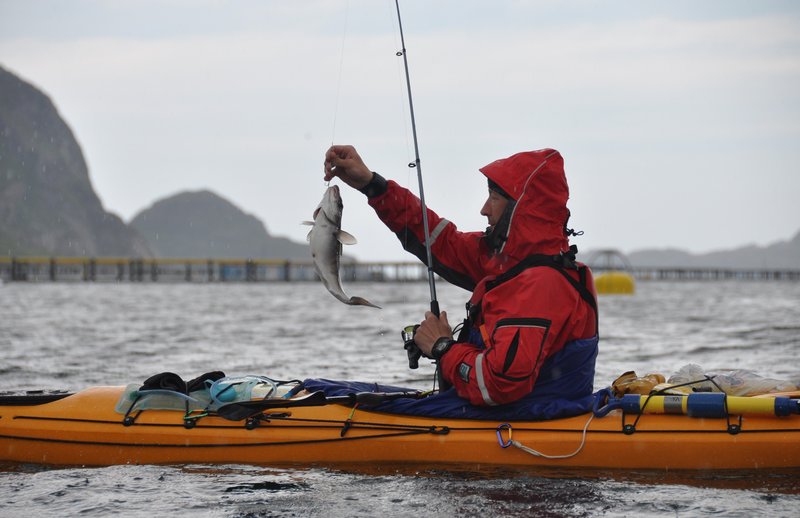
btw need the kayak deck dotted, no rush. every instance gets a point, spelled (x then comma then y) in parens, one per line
(84, 429)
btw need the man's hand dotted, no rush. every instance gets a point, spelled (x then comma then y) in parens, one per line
(344, 162)
(430, 330)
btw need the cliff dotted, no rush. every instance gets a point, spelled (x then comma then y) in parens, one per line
(202, 224)
(47, 203)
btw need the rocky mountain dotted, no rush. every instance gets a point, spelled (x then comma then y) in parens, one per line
(780, 255)
(47, 203)
(202, 224)
(49, 207)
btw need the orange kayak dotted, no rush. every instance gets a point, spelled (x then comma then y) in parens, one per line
(85, 429)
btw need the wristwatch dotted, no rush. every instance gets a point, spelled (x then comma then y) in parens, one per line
(441, 346)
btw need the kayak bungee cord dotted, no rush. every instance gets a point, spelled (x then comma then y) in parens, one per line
(418, 166)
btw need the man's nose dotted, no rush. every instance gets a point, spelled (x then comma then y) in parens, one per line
(485, 209)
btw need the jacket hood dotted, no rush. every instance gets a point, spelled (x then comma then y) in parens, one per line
(536, 181)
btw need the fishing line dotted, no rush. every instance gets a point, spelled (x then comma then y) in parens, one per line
(341, 68)
(401, 88)
(418, 165)
(403, 277)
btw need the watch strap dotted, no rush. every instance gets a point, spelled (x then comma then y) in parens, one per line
(441, 346)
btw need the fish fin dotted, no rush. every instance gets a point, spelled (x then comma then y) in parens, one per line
(307, 223)
(346, 238)
(359, 301)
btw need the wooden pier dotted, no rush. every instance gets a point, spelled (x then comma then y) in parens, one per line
(118, 269)
(712, 274)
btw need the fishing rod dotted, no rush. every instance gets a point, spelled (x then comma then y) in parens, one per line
(418, 166)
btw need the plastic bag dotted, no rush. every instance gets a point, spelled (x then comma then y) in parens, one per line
(241, 388)
(740, 382)
(134, 399)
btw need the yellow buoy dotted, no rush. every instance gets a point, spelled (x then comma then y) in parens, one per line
(614, 273)
(615, 283)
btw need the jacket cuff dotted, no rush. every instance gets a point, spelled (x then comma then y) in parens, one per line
(375, 187)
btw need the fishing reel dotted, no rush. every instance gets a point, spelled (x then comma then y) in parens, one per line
(414, 354)
(412, 350)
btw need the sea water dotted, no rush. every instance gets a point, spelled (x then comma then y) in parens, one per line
(69, 336)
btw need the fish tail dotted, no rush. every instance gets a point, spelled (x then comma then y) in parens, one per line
(359, 301)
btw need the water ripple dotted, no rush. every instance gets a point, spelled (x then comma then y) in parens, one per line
(68, 336)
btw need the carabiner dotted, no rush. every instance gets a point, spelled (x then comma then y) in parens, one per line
(500, 428)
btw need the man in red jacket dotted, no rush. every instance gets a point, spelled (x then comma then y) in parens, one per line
(532, 322)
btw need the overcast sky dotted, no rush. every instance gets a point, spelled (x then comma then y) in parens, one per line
(679, 121)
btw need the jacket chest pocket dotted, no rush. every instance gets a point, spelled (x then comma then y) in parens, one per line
(520, 343)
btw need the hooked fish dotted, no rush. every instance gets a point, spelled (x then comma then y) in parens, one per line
(326, 238)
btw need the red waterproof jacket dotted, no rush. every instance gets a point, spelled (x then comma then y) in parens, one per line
(527, 319)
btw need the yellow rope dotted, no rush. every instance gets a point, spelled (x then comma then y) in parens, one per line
(536, 453)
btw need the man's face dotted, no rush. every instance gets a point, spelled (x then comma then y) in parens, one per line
(494, 207)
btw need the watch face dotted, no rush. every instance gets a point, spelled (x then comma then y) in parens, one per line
(440, 347)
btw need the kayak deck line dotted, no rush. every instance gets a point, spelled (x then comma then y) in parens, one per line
(85, 429)
(350, 423)
(359, 426)
(218, 445)
(325, 424)
(364, 425)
